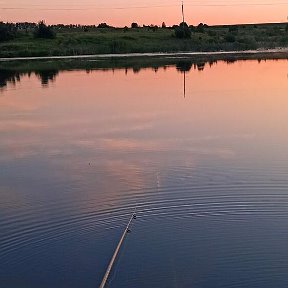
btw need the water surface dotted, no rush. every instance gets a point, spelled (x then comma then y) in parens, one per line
(206, 169)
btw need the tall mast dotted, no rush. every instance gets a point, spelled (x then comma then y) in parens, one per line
(183, 12)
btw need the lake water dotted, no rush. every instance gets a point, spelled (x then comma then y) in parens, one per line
(208, 173)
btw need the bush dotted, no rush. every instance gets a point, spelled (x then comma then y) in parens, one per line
(44, 31)
(200, 28)
(230, 38)
(134, 25)
(248, 42)
(182, 31)
(153, 27)
(284, 40)
(6, 32)
(103, 25)
(117, 46)
(212, 33)
(233, 28)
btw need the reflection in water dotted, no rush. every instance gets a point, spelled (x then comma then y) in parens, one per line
(12, 77)
(208, 175)
(184, 84)
(8, 76)
(49, 75)
(184, 66)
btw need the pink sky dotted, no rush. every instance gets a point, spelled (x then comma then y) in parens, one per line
(123, 12)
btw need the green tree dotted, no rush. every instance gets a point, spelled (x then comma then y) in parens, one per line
(134, 25)
(44, 31)
(182, 31)
(200, 28)
(7, 32)
(103, 25)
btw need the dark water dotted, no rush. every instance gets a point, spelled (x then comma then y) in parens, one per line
(208, 173)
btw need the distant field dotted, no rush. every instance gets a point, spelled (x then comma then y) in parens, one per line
(139, 40)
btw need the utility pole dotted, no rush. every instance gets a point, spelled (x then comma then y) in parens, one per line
(183, 12)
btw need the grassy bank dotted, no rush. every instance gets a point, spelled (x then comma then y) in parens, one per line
(141, 40)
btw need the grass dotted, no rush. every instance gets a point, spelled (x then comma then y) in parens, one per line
(140, 40)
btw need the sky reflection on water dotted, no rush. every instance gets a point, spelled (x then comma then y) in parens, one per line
(208, 172)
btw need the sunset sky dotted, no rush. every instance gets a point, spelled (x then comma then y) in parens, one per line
(123, 12)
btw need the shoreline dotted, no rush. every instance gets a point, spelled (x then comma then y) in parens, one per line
(204, 41)
(278, 53)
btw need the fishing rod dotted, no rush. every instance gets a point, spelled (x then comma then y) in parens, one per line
(111, 263)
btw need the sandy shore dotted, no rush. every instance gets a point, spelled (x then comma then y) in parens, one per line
(280, 53)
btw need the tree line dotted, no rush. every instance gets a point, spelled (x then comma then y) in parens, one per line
(9, 31)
